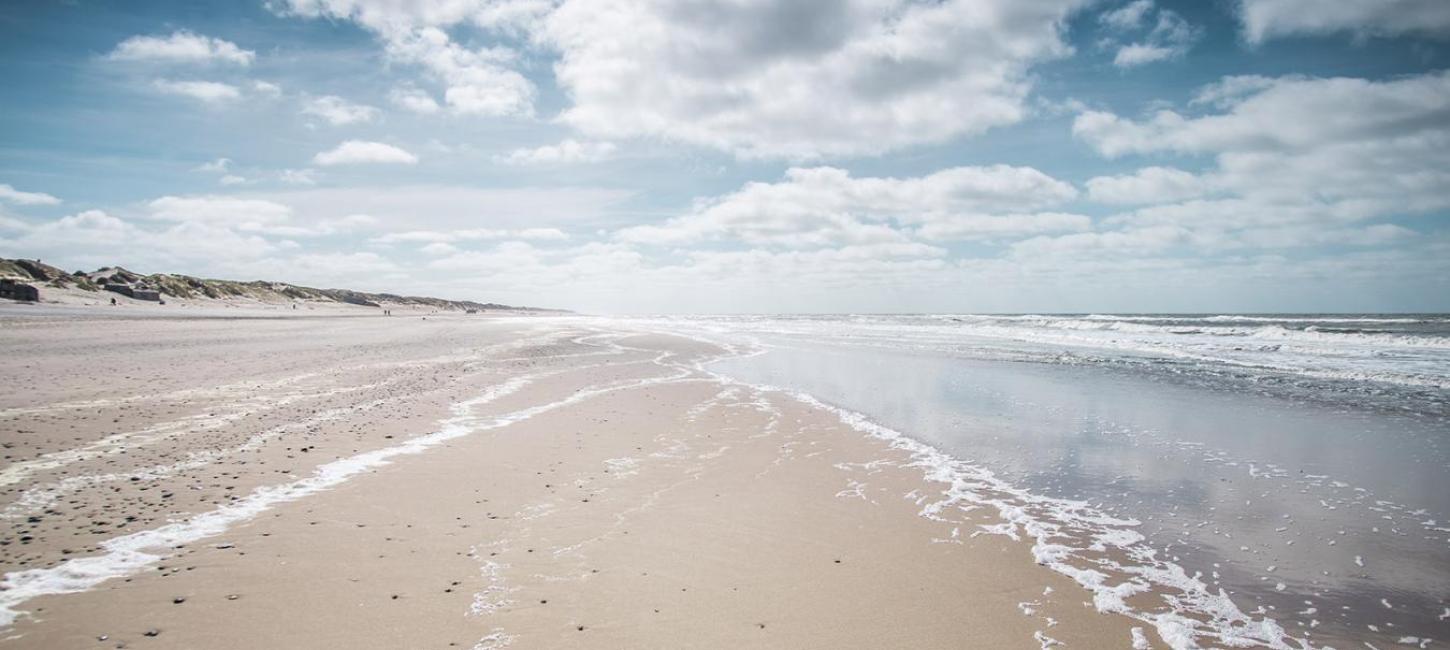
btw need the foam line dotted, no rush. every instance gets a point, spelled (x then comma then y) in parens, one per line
(1072, 538)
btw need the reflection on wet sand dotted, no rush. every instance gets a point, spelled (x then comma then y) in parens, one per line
(1329, 520)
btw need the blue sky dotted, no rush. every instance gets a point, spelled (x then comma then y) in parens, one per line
(745, 155)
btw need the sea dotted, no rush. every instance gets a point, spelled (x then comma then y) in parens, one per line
(1258, 479)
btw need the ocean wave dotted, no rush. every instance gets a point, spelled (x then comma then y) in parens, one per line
(1416, 356)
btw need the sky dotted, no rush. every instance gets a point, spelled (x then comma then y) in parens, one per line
(723, 156)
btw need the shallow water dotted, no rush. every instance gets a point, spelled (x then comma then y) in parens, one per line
(1320, 495)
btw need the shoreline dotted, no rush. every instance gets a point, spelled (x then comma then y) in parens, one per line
(735, 438)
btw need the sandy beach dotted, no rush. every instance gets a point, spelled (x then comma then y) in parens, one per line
(271, 480)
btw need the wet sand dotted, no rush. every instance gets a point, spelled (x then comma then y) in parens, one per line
(470, 481)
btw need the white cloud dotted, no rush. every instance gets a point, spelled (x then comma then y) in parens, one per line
(749, 78)
(1169, 38)
(319, 227)
(1135, 241)
(224, 210)
(266, 89)
(1266, 19)
(181, 46)
(801, 79)
(825, 206)
(12, 195)
(1231, 90)
(479, 82)
(298, 176)
(1296, 161)
(616, 276)
(1291, 113)
(1136, 54)
(91, 238)
(989, 226)
(251, 215)
(353, 152)
(217, 166)
(1128, 17)
(470, 234)
(520, 264)
(569, 151)
(391, 15)
(439, 249)
(11, 224)
(232, 179)
(882, 262)
(454, 207)
(206, 91)
(1160, 239)
(338, 111)
(344, 269)
(1147, 185)
(414, 100)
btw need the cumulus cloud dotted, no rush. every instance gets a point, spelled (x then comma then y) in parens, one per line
(991, 226)
(1295, 159)
(1147, 185)
(391, 15)
(355, 152)
(266, 89)
(251, 215)
(92, 238)
(217, 166)
(1135, 241)
(338, 111)
(826, 206)
(848, 265)
(478, 81)
(226, 210)
(414, 100)
(1231, 90)
(1266, 19)
(770, 78)
(1127, 17)
(1289, 113)
(12, 195)
(455, 207)
(298, 176)
(181, 47)
(211, 92)
(1169, 37)
(567, 152)
(755, 79)
(1162, 239)
(438, 249)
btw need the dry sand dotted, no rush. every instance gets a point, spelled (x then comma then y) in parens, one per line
(598, 490)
